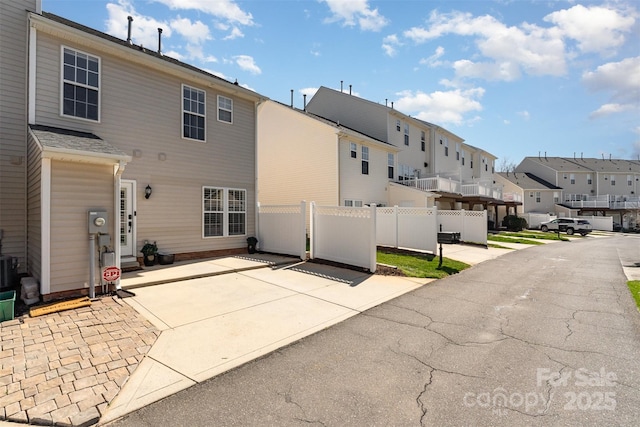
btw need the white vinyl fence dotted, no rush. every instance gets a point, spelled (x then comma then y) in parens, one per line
(344, 234)
(472, 225)
(282, 229)
(402, 227)
(535, 219)
(604, 223)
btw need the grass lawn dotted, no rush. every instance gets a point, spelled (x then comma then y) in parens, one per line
(414, 264)
(498, 238)
(634, 287)
(535, 235)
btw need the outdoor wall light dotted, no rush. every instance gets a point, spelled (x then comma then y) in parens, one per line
(147, 192)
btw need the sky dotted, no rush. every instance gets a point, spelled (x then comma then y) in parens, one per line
(516, 78)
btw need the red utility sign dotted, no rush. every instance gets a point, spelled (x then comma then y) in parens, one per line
(110, 274)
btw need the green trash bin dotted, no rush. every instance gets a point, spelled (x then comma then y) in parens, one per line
(7, 300)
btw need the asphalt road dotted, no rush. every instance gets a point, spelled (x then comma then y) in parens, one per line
(544, 336)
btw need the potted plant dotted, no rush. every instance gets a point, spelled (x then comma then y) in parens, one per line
(149, 252)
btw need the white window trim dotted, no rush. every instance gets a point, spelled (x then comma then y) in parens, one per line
(218, 108)
(190, 112)
(62, 81)
(353, 148)
(225, 211)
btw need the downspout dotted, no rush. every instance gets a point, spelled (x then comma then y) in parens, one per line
(118, 170)
(256, 169)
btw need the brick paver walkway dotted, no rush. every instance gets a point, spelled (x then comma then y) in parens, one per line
(64, 368)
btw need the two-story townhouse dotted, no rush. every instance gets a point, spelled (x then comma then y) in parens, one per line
(431, 158)
(13, 134)
(302, 156)
(165, 150)
(537, 195)
(592, 186)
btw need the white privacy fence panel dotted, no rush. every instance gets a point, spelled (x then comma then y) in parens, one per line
(344, 234)
(282, 229)
(535, 219)
(413, 228)
(472, 225)
(604, 223)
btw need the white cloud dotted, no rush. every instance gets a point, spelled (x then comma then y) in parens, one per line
(144, 30)
(247, 63)
(390, 43)
(622, 80)
(194, 32)
(440, 107)
(608, 109)
(509, 51)
(227, 10)
(234, 34)
(434, 60)
(356, 12)
(595, 29)
(524, 114)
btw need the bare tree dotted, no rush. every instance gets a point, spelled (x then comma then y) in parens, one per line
(506, 165)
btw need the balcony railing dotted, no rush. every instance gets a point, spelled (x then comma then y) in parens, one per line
(449, 185)
(512, 197)
(445, 185)
(604, 201)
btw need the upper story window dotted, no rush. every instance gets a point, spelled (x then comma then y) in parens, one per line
(556, 197)
(471, 162)
(80, 85)
(423, 141)
(572, 178)
(193, 113)
(354, 150)
(391, 161)
(629, 180)
(225, 109)
(365, 160)
(398, 125)
(462, 160)
(589, 179)
(537, 197)
(406, 134)
(446, 147)
(613, 180)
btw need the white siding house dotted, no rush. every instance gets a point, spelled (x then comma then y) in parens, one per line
(106, 120)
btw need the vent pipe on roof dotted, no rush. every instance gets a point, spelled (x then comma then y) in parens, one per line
(130, 19)
(609, 156)
(602, 156)
(392, 105)
(581, 158)
(349, 89)
(386, 100)
(545, 155)
(160, 41)
(574, 155)
(291, 98)
(341, 84)
(304, 101)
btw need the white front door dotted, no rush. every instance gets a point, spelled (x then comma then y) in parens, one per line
(127, 218)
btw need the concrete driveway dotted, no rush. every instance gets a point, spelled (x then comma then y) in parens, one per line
(243, 310)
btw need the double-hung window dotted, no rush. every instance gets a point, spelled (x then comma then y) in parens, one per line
(629, 180)
(423, 141)
(224, 212)
(406, 134)
(390, 165)
(572, 178)
(193, 113)
(80, 85)
(354, 150)
(225, 109)
(365, 160)
(457, 151)
(613, 180)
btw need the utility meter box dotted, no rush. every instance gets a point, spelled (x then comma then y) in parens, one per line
(98, 222)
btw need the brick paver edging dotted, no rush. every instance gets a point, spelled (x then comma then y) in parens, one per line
(64, 368)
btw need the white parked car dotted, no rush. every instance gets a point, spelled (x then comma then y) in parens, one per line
(568, 225)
